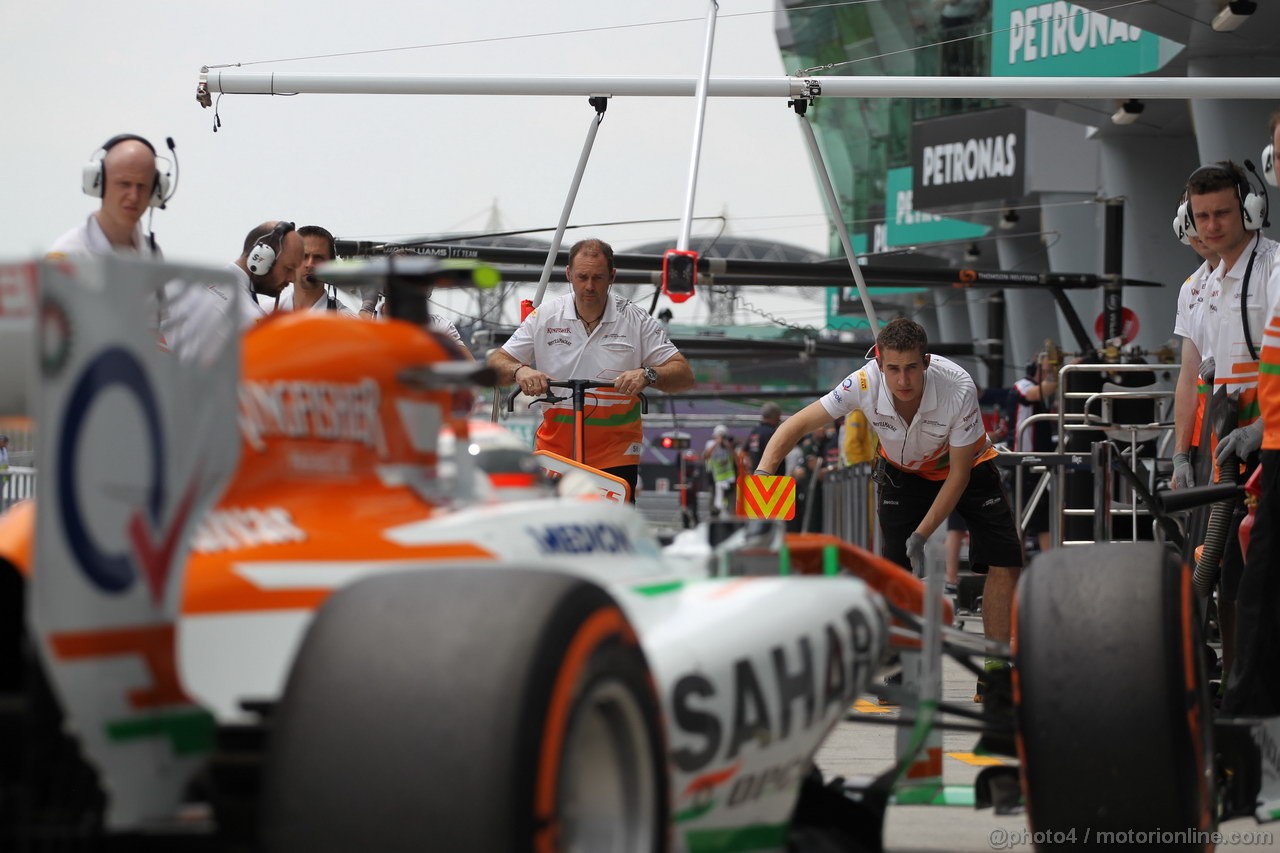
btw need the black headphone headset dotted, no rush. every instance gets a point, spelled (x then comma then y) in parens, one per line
(93, 177)
(1269, 164)
(262, 257)
(1252, 205)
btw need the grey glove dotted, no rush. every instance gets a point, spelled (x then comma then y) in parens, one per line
(915, 554)
(1241, 443)
(1207, 368)
(1183, 475)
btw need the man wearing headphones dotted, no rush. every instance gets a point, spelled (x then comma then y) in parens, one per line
(198, 318)
(1224, 212)
(307, 293)
(129, 178)
(1253, 688)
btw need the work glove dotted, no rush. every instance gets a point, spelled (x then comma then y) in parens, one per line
(1241, 443)
(915, 554)
(1183, 475)
(1207, 368)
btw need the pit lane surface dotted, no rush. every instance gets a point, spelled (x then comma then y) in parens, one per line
(863, 749)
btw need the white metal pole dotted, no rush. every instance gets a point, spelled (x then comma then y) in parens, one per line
(837, 219)
(700, 113)
(568, 208)
(234, 82)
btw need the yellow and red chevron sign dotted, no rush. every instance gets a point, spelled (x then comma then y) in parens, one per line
(767, 497)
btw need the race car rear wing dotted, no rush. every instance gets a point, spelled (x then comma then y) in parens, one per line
(135, 444)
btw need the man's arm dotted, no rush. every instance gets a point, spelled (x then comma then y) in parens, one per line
(1185, 398)
(952, 488)
(790, 432)
(512, 371)
(674, 375)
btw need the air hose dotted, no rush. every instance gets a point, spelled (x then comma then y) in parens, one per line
(1209, 562)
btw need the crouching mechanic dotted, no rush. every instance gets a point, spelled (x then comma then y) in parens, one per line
(934, 457)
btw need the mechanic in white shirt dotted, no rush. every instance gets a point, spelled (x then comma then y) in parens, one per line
(1225, 213)
(129, 178)
(1191, 392)
(935, 457)
(590, 334)
(199, 317)
(308, 293)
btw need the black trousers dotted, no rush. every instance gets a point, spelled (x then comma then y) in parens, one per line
(1254, 684)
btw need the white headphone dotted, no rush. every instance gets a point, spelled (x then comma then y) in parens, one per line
(1251, 204)
(93, 176)
(1180, 221)
(263, 255)
(1269, 165)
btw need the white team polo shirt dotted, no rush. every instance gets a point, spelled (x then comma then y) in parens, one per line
(87, 238)
(1190, 321)
(198, 318)
(948, 416)
(1235, 368)
(555, 341)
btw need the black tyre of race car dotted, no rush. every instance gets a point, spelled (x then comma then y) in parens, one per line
(471, 709)
(1113, 716)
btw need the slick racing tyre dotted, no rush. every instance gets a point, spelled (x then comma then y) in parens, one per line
(1113, 717)
(467, 709)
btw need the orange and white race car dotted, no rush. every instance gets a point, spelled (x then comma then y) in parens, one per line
(265, 609)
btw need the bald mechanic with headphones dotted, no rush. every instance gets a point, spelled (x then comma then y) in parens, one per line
(130, 179)
(198, 318)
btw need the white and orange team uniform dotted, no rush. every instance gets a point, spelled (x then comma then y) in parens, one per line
(1190, 323)
(553, 340)
(87, 238)
(1235, 368)
(948, 416)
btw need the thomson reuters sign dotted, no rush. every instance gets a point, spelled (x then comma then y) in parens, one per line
(971, 157)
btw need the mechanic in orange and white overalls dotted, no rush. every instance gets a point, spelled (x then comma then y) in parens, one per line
(590, 334)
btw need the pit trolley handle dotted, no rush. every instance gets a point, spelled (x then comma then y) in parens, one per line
(578, 393)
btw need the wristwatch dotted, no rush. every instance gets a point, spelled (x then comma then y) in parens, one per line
(651, 375)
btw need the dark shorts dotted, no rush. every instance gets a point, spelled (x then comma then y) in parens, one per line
(955, 521)
(904, 500)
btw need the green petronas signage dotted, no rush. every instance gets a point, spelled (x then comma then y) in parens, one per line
(1059, 39)
(906, 226)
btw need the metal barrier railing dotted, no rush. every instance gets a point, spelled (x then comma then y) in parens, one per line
(16, 484)
(848, 505)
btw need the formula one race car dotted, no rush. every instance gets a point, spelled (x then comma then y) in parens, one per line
(263, 612)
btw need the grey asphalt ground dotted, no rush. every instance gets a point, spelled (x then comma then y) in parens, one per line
(863, 749)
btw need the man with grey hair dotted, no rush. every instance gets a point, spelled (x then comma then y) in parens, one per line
(758, 440)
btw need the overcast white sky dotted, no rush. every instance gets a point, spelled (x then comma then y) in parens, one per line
(384, 166)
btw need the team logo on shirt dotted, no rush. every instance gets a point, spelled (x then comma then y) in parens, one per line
(836, 395)
(885, 425)
(862, 379)
(552, 330)
(559, 342)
